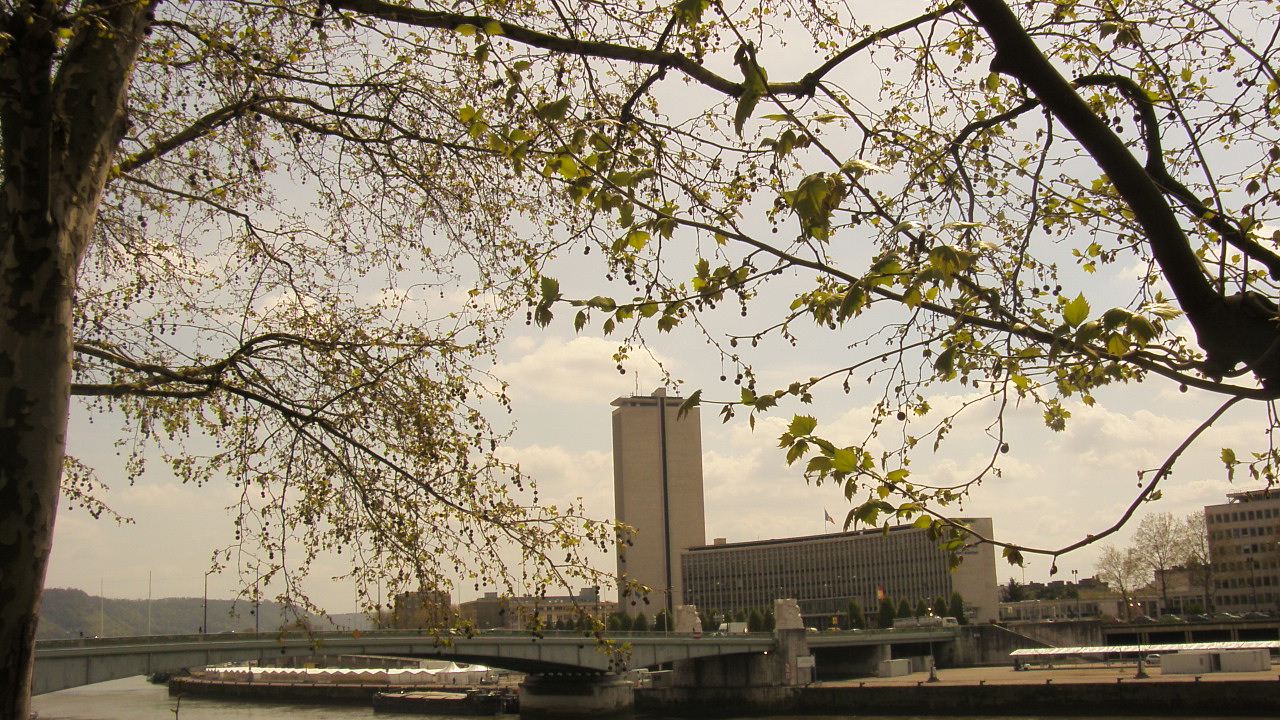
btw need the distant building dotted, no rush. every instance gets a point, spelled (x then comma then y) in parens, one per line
(657, 481)
(524, 612)
(1092, 603)
(825, 572)
(1244, 551)
(422, 609)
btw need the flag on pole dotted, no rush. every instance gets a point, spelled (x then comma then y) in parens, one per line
(827, 515)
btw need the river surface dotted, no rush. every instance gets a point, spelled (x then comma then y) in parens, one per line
(136, 699)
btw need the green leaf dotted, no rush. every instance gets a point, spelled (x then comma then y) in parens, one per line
(1076, 311)
(945, 364)
(550, 288)
(691, 402)
(867, 513)
(797, 451)
(580, 321)
(555, 110)
(1141, 329)
(845, 460)
(753, 86)
(852, 302)
(1013, 556)
(818, 465)
(1162, 310)
(1117, 345)
(802, 425)
(689, 12)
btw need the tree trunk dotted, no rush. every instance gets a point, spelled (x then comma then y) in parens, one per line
(35, 374)
(61, 133)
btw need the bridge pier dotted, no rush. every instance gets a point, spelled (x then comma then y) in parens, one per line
(557, 696)
(789, 663)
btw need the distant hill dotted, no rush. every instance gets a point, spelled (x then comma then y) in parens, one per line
(68, 613)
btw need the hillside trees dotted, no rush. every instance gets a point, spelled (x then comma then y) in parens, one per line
(1006, 205)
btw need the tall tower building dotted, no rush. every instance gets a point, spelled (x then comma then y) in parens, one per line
(657, 490)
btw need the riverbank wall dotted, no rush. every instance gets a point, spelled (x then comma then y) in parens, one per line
(1192, 699)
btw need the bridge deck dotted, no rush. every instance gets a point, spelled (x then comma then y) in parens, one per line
(62, 664)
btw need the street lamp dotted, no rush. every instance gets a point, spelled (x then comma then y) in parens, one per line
(1075, 579)
(257, 614)
(204, 627)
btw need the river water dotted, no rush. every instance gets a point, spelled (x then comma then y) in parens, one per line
(137, 699)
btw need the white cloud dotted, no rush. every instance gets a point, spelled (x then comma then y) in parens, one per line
(580, 371)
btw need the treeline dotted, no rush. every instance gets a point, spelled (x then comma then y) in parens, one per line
(891, 610)
(70, 613)
(1163, 547)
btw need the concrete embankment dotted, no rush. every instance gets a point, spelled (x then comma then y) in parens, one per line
(987, 692)
(1221, 699)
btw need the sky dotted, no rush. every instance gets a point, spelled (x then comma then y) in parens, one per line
(1055, 489)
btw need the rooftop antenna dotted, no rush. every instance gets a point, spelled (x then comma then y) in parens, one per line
(637, 379)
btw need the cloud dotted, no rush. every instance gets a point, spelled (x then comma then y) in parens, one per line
(564, 475)
(580, 371)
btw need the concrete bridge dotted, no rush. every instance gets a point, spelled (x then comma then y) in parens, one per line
(62, 664)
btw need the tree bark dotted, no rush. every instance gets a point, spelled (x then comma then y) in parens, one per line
(62, 124)
(1231, 330)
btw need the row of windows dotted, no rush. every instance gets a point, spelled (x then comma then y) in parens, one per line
(1257, 551)
(1234, 583)
(1263, 599)
(1245, 567)
(1250, 531)
(1242, 515)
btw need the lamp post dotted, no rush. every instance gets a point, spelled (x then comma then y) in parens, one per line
(1075, 580)
(204, 626)
(257, 614)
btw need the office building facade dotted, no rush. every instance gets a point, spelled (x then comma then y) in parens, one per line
(825, 572)
(1244, 550)
(657, 475)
